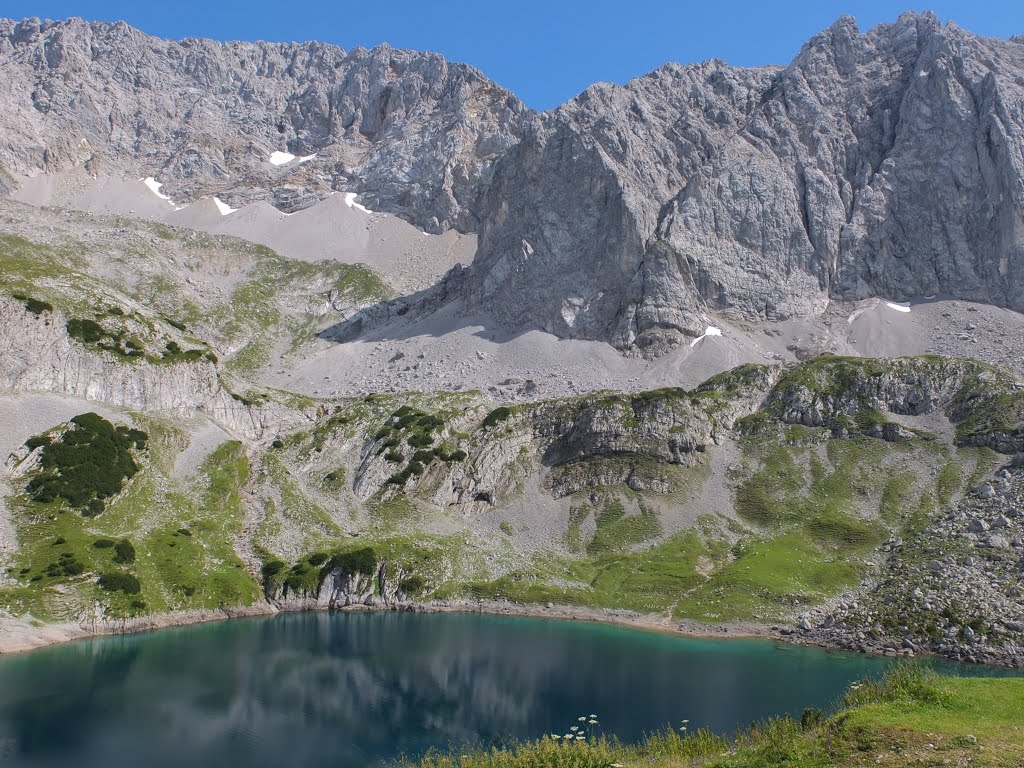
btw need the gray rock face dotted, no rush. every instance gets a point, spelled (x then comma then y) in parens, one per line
(571, 232)
(411, 132)
(339, 588)
(887, 163)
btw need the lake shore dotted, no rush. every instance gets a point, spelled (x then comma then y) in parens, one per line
(20, 634)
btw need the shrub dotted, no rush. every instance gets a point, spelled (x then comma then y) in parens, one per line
(318, 558)
(399, 478)
(420, 439)
(140, 604)
(413, 584)
(38, 441)
(277, 444)
(173, 353)
(89, 463)
(103, 543)
(117, 581)
(497, 416)
(428, 422)
(35, 306)
(85, 330)
(302, 578)
(394, 457)
(124, 552)
(59, 540)
(356, 561)
(272, 568)
(184, 532)
(456, 455)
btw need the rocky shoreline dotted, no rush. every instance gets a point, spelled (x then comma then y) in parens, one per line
(953, 588)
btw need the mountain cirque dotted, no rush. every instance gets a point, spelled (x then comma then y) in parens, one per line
(677, 349)
(879, 164)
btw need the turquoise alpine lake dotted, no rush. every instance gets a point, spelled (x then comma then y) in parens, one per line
(363, 689)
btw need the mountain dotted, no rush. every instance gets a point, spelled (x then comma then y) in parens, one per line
(410, 131)
(285, 326)
(885, 163)
(879, 164)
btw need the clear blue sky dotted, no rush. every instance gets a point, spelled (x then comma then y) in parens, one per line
(546, 51)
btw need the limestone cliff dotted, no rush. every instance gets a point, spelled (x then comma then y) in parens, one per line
(38, 355)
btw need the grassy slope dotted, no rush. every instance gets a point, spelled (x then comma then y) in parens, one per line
(811, 511)
(177, 570)
(909, 718)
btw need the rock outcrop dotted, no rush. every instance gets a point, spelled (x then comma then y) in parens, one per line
(38, 355)
(852, 395)
(472, 457)
(340, 587)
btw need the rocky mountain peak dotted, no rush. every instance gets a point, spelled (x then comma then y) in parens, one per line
(861, 169)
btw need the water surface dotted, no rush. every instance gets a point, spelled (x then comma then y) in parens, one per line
(346, 690)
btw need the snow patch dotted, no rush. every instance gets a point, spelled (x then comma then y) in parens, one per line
(155, 185)
(307, 158)
(223, 207)
(898, 306)
(711, 331)
(280, 158)
(350, 201)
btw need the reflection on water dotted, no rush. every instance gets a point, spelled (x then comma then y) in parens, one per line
(319, 689)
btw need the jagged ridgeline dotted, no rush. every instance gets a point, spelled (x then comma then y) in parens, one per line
(763, 193)
(760, 494)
